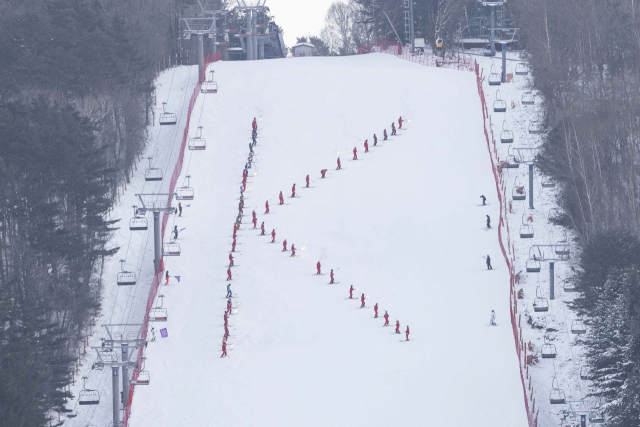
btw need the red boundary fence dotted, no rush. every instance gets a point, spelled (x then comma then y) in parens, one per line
(158, 274)
(424, 58)
(517, 332)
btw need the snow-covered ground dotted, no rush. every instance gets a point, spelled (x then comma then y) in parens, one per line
(556, 323)
(402, 225)
(126, 304)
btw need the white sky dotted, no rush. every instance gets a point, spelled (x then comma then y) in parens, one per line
(299, 17)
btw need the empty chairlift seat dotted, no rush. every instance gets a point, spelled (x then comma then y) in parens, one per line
(506, 136)
(562, 247)
(138, 223)
(140, 377)
(486, 50)
(167, 118)
(540, 303)
(494, 77)
(184, 193)
(596, 417)
(171, 249)
(522, 69)
(535, 126)
(556, 395)
(87, 396)
(126, 278)
(499, 105)
(584, 373)
(198, 142)
(578, 327)
(158, 314)
(152, 174)
(533, 266)
(548, 350)
(527, 98)
(209, 86)
(548, 183)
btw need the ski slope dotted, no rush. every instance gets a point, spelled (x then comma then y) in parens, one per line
(402, 224)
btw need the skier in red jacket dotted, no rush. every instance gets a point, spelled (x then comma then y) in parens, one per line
(262, 229)
(253, 214)
(322, 172)
(375, 310)
(393, 129)
(266, 205)
(384, 135)
(254, 125)
(293, 191)
(339, 165)
(331, 275)
(255, 222)
(244, 174)
(400, 123)
(362, 301)
(229, 306)
(355, 153)
(284, 246)
(233, 246)
(307, 180)
(228, 273)
(407, 332)
(293, 250)
(397, 326)
(318, 267)
(224, 349)
(225, 318)
(386, 318)
(273, 235)
(230, 260)
(366, 146)
(351, 292)
(281, 198)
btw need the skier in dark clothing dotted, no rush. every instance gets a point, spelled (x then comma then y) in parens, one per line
(175, 233)
(322, 172)
(489, 263)
(384, 135)
(488, 221)
(393, 129)
(375, 140)
(180, 209)
(484, 200)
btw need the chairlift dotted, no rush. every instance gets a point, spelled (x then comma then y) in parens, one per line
(209, 86)
(578, 327)
(556, 396)
(159, 313)
(548, 350)
(562, 247)
(519, 193)
(506, 136)
(527, 98)
(138, 223)
(167, 118)
(512, 162)
(569, 287)
(596, 417)
(87, 396)
(548, 183)
(533, 266)
(584, 373)
(185, 192)
(535, 127)
(198, 142)
(494, 77)
(152, 174)
(526, 230)
(171, 249)
(142, 376)
(499, 105)
(522, 69)
(540, 303)
(125, 278)
(486, 50)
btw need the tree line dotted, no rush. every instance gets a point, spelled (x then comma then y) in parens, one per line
(76, 91)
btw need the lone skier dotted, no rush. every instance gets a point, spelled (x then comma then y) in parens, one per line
(266, 205)
(375, 311)
(166, 276)
(407, 333)
(175, 232)
(351, 292)
(322, 172)
(339, 166)
(400, 123)
(318, 267)
(484, 200)
(262, 229)
(307, 181)
(493, 318)
(362, 301)
(331, 275)
(488, 221)
(293, 191)
(366, 146)
(355, 153)
(489, 263)
(281, 197)
(180, 208)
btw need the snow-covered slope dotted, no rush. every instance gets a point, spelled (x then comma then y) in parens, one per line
(402, 224)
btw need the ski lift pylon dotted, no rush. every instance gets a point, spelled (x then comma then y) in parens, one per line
(151, 173)
(125, 278)
(506, 136)
(198, 142)
(167, 118)
(87, 396)
(499, 105)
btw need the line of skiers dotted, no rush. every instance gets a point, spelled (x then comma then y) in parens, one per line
(366, 144)
(492, 320)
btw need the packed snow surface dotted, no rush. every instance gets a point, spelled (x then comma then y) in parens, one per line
(402, 224)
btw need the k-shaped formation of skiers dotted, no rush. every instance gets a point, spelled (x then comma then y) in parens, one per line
(254, 219)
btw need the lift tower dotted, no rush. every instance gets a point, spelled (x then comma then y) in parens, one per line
(492, 37)
(156, 203)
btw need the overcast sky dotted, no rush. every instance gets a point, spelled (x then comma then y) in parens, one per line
(299, 17)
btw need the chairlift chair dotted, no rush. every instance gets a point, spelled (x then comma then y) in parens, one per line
(535, 127)
(548, 183)
(138, 223)
(584, 373)
(499, 105)
(540, 303)
(548, 350)
(522, 69)
(519, 193)
(596, 417)
(506, 136)
(198, 142)
(171, 249)
(158, 314)
(578, 327)
(562, 247)
(533, 266)
(167, 118)
(494, 77)
(486, 50)
(185, 192)
(512, 162)
(569, 287)
(209, 86)
(87, 396)
(125, 278)
(526, 231)
(143, 378)
(527, 98)
(152, 174)
(556, 395)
